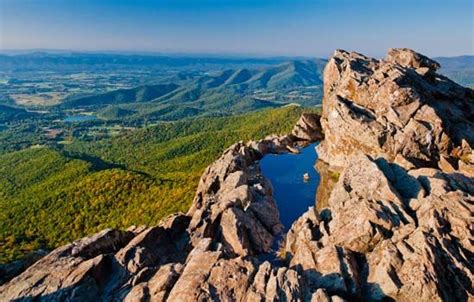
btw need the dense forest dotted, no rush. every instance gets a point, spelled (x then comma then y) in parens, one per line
(51, 195)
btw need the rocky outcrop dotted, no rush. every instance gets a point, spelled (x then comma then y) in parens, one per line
(393, 107)
(389, 233)
(393, 219)
(234, 205)
(397, 224)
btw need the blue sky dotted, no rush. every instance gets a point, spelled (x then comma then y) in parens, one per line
(264, 27)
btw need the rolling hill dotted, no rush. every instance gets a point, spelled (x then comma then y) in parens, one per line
(122, 96)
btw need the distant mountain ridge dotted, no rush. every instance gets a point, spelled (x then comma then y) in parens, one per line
(460, 69)
(231, 90)
(85, 61)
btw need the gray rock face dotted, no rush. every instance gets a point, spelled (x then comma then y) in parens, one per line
(395, 222)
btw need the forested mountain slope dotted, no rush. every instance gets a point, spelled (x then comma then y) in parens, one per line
(49, 197)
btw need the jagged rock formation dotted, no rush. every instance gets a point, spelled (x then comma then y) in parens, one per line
(397, 108)
(388, 232)
(398, 222)
(394, 215)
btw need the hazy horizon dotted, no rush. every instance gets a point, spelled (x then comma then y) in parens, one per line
(191, 53)
(249, 28)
